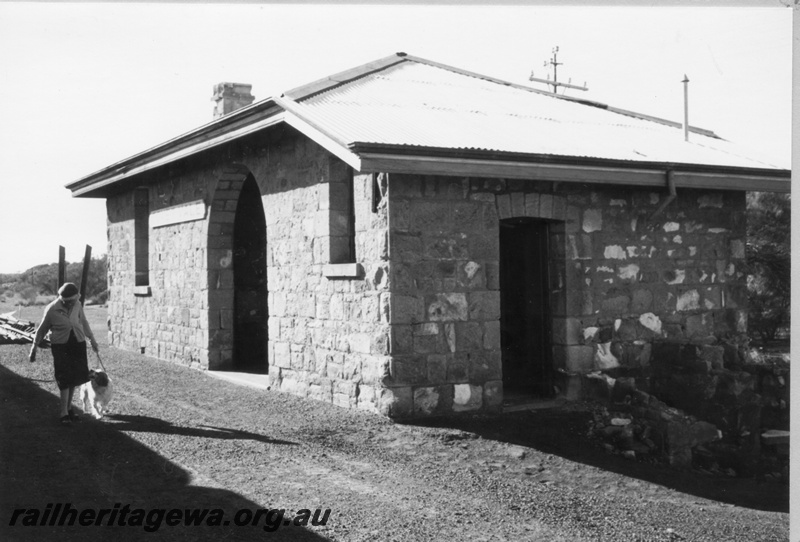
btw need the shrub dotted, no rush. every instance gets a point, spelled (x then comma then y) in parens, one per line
(768, 263)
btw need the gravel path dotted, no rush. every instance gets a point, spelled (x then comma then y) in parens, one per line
(178, 438)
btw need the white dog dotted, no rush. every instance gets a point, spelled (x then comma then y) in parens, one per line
(96, 394)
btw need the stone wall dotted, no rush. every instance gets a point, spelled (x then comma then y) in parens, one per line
(445, 304)
(328, 332)
(328, 329)
(636, 281)
(626, 274)
(168, 321)
(673, 277)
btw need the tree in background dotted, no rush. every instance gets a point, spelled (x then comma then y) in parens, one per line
(43, 279)
(768, 263)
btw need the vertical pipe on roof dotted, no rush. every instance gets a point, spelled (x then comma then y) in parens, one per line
(685, 108)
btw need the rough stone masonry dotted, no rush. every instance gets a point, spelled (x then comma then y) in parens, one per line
(413, 329)
(630, 289)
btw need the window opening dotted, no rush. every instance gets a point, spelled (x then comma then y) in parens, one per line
(141, 205)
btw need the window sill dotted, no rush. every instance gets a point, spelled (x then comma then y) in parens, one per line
(343, 271)
(142, 291)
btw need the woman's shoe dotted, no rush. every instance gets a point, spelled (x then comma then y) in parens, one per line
(74, 417)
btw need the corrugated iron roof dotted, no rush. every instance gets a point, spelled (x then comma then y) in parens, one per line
(415, 103)
(410, 115)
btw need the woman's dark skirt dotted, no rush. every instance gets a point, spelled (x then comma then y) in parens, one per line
(70, 363)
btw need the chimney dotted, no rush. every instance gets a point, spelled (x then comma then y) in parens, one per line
(231, 96)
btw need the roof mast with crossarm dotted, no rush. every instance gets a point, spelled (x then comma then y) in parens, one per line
(555, 83)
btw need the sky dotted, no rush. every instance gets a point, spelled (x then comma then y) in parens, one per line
(87, 85)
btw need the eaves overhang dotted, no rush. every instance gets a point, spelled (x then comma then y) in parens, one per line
(479, 163)
(236, 125)
(319, 134)
(405, 158)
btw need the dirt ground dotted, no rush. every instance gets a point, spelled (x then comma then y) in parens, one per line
(177, 438)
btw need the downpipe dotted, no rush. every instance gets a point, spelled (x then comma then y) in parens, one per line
(672, 194)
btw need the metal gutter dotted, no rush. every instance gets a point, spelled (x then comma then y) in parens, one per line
(634, 174)
(483, 154)
(371, 157)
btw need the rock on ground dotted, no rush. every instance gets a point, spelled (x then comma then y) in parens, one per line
(177, 438)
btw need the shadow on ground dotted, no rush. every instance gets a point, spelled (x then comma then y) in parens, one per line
(147, 424)
(563, 432)
(94, 466)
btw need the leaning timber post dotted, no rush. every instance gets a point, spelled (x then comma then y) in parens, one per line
(87, 259)
(62, 267)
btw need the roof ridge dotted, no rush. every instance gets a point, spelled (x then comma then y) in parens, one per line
(327, 83)
(332, 81)
(582, 101)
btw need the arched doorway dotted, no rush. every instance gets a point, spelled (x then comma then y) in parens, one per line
(250, 282)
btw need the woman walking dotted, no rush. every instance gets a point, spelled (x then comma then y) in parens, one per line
(65, 319)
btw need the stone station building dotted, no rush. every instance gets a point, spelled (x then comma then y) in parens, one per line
(415, 240)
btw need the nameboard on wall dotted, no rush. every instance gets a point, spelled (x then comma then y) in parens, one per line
(187, 212)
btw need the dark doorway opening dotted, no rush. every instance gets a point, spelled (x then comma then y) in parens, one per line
(250, 282)
(525, 322)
